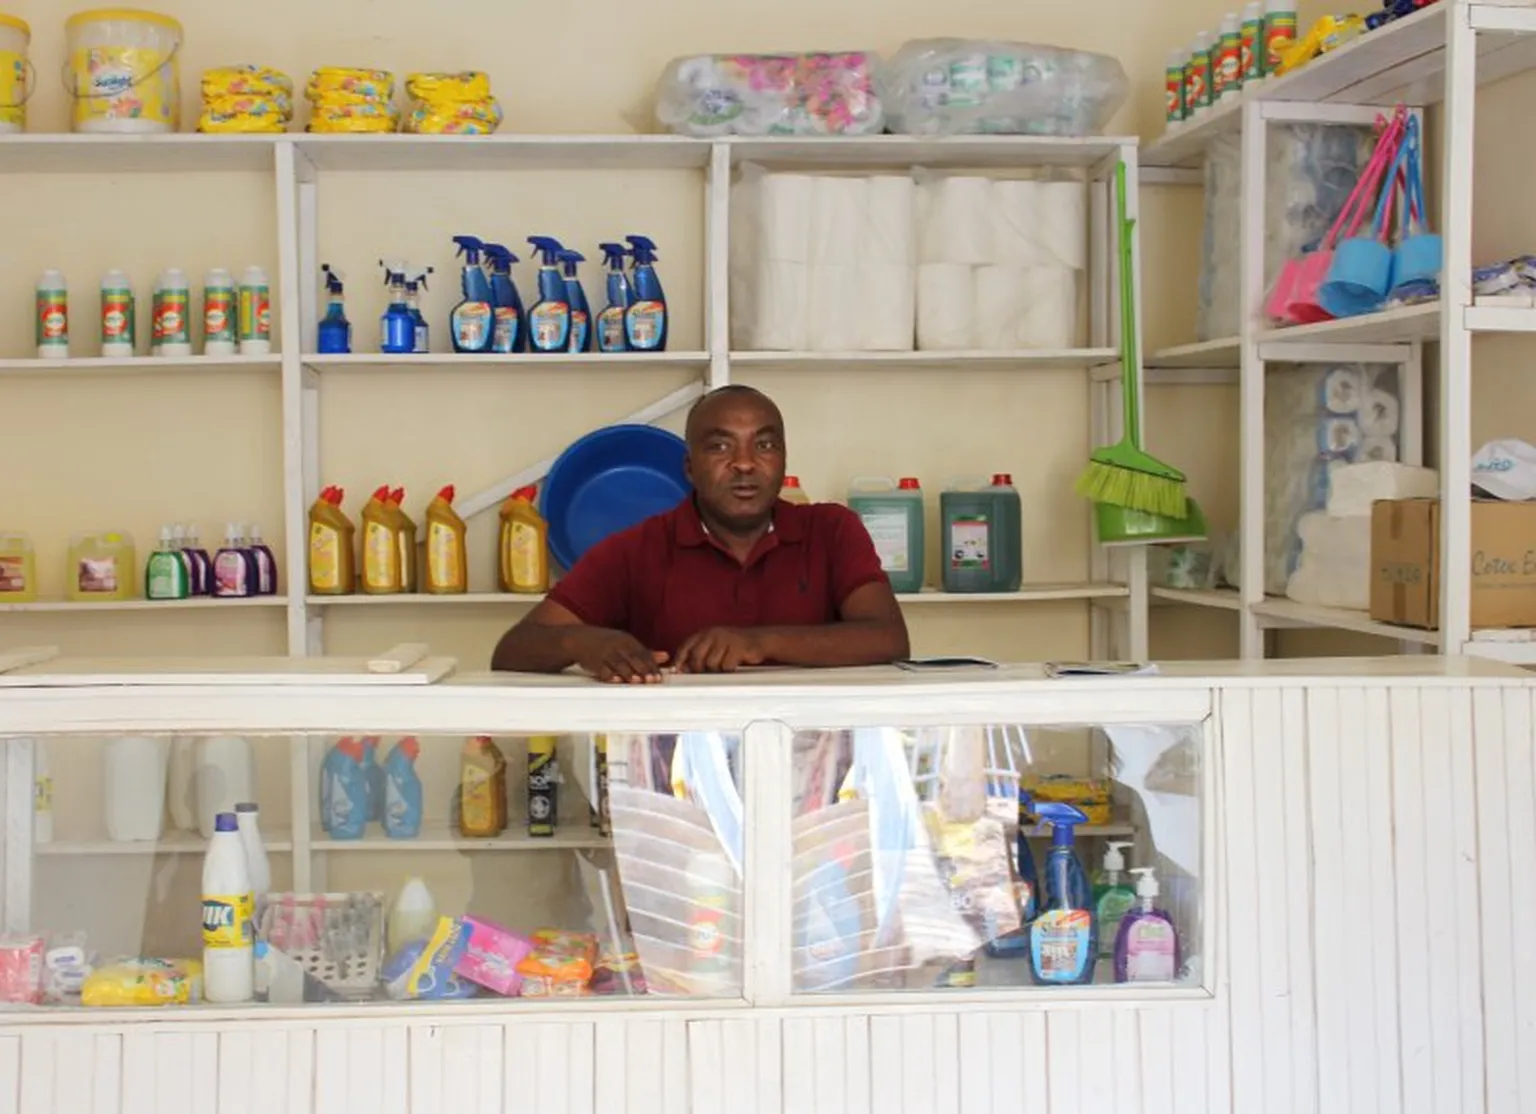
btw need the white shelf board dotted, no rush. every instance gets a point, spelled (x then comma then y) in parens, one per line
(377, 361)
(389, 153)
(67, 153)
(572, 836)
(915, 361)
(1518, 650)
(422, 599)
(141, 365)
(1223, 599)
(1029, 593)
(1400, 325)
(201, 603)
(1220, 353)
(1501, 319)
(1402, 61)
(175, 843)
(903, 152)
(1339, 618)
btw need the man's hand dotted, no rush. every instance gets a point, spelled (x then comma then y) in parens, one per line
(720, 650)
(619, 658)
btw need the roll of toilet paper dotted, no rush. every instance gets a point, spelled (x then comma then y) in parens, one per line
(958, 224)
(1341, 391)
(1338, 436)
(1025, 308)
(945, 298)
(839, 208)
(835, 308)
(1016, 235)
(1357, 486)
(1380, 415)
(1378, 449)
(1063, 223)
(890, 223)
(784, 217)
(888, 297)
(781, 306)
(1000, 301)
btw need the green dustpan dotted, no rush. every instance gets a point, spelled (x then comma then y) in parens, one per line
(1125, 526)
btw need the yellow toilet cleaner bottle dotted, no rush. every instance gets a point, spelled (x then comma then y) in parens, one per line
(446, 565)
(332, 561)
(524, 547)
(407, 527)
(381, 546)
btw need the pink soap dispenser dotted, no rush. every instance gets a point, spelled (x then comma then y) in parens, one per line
(234, 571)
(266, 562)
(1147, 948)
(198, 561)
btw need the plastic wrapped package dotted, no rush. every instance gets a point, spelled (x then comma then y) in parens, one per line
(144, 982)
(971, 86)
(1318, 417)
(770, 94)
(451, 104)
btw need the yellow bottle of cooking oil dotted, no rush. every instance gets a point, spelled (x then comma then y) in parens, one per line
(332, 560)
(406, 525)
(447, 567)
(18, 569)
(381, 546)
(524, 547)
(101, 567)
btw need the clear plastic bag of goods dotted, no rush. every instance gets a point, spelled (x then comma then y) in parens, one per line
(831, 93)
(973, 86)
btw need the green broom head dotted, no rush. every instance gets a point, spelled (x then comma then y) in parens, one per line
(1124, 476)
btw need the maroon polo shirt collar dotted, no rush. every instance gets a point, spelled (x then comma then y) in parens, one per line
(786, 528)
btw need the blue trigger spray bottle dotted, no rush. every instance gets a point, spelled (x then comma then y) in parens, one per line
(576, 297)
(610, 322)
(470, 323)
(549, 319)
(397, 332)
(415, 283)
(1063, 938)
(335, 331)
(645, 321)
(507, 334)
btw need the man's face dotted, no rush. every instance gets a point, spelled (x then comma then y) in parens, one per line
(736, 459)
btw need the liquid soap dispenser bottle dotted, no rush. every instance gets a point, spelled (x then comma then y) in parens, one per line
(610, 321)
(471, 322)
(645, 322)
(576, 297)
(507, 334)
(1063, 942)
(1147, 947)
(549, 321)
(335, 331)
(1113, 896)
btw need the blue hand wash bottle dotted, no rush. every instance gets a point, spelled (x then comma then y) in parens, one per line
(576, 296)
(1063, 942)
(470, 323)
(610, 322)
(549, 319)
(645, 322)
(506, 306)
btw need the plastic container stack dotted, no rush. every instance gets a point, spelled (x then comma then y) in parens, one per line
(246, 99)
(352, 101)
(770, 94)
(452, 104)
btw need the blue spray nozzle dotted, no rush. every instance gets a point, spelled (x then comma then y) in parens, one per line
(394, 272)
(613, 255)
(643, 249)
(570, 259)
(333, 279)
(470, 248)
(548, 247)
(501, 259)
(1063, 819)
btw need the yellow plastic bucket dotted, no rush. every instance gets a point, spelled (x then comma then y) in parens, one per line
(15, 83)
(123, 72)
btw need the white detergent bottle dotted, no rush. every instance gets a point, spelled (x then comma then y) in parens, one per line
(133, 787)
(228, 934)
(248, 821)
(413, 916)
(225, 775)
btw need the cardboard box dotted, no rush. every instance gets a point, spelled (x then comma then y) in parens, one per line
(1405, 563)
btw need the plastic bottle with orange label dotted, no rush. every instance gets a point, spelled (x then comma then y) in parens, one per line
(447, 568)
(332, 562)
(381, 546)
(524, 546)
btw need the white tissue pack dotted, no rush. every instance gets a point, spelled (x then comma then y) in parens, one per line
(1354, 487)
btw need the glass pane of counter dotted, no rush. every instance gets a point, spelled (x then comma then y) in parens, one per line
(409, 869)
(1004, 856)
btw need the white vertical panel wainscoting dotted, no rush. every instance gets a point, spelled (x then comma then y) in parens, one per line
(1376, 841)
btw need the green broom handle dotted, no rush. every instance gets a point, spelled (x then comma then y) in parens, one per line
(1128, 388)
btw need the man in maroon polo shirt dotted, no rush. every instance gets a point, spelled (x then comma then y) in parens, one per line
(730, 577)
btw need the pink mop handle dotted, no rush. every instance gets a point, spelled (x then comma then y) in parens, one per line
(1366, 184)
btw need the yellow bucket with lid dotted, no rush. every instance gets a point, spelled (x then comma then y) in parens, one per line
(15, 78)
(124, 72)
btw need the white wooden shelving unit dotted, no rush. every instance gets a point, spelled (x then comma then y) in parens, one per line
(1437, 56)
(301, 165)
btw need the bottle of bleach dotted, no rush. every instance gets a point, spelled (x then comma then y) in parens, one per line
(228, 911)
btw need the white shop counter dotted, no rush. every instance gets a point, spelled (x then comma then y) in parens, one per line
(805, 871)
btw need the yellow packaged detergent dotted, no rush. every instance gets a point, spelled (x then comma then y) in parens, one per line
(123, 71)
(452, 104)
(246, 99)
(101, 567)
(144, 982)
(18, 569)
(15, 73)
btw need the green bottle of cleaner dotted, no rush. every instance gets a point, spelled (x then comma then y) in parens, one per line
(982, 536)
(335, 331)
(645, 322)
(415, 283)
(610, 322)
(576, 297)
(397, 333)
(893, 515)
(507, 335)
(470, 324)
(549, 320)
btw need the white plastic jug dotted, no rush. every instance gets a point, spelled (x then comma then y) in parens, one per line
(133, 787)
(225, 776)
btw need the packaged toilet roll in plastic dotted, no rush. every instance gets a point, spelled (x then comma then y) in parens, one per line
(770, 94)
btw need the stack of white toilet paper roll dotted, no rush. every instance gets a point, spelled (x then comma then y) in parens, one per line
(825, 264)
(1000, 263)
